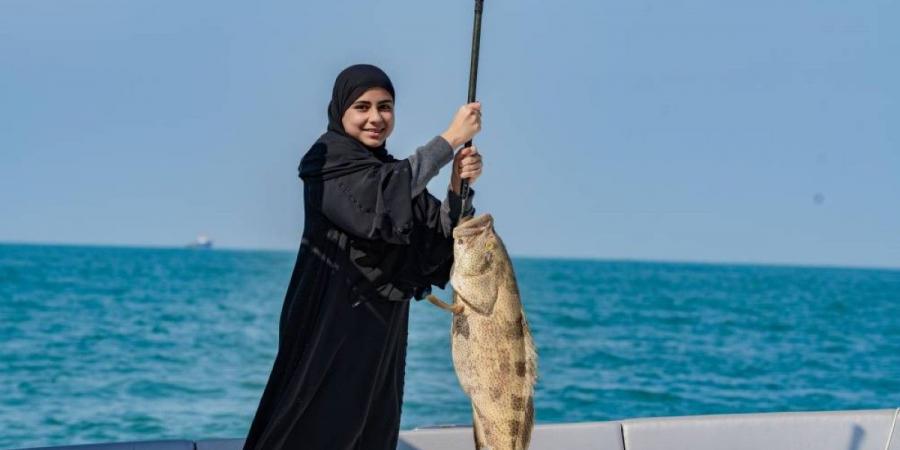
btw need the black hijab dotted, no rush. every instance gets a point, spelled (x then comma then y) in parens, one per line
(350, 84)
(336, 153)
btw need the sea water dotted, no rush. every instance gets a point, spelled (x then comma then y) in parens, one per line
(112, 344)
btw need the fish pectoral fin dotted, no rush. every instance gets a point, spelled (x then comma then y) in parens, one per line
(465, 303)
(480, 293)
(455, 308)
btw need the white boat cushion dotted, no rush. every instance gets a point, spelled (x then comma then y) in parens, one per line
(844, 430)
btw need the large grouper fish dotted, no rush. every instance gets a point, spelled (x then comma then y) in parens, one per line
(493, 352)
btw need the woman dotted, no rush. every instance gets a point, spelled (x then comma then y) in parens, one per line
(373, 238)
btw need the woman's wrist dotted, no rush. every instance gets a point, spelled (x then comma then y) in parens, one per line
(452, 139)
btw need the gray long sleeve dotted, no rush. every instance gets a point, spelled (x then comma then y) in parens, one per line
(427, 161)
(424, 165)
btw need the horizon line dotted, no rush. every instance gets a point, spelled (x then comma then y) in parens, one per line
(784, 264)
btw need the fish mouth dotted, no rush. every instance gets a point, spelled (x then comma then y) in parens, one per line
(471, 226)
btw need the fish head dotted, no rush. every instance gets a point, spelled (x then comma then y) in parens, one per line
(481, 266)
(476, 247)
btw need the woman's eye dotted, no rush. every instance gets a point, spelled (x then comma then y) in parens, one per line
(387, 108)
(361, 108)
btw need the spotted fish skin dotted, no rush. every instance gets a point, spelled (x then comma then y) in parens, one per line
(493, 351)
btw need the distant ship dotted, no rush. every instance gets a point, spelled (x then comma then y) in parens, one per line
(202, 241)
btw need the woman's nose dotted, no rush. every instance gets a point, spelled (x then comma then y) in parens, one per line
(375, 116)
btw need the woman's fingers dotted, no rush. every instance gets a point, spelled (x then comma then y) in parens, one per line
(475, 111)
(473, 123)
(468, 164)
(469, 160)
(470, 167)
(465, 125)
(470, 156)
(465, 154)
(471, 176)
(469, 170)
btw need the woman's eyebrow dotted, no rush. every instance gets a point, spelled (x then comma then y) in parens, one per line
(386, 102)
(362, 102)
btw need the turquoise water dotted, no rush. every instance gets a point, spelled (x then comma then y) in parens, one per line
(110, 344)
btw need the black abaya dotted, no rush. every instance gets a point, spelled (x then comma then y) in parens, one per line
(367, 248)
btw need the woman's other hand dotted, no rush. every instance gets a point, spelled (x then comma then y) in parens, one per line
(465, 125)
(467, 165)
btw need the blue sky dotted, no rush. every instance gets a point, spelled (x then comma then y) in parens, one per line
(677, 130)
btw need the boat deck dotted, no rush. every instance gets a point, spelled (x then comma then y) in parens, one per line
(837, 430)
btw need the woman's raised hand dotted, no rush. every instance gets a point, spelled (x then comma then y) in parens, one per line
(465, 125)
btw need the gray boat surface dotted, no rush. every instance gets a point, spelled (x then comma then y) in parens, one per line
(832, 430)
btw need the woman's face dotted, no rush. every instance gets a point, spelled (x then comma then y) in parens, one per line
(370, 119)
